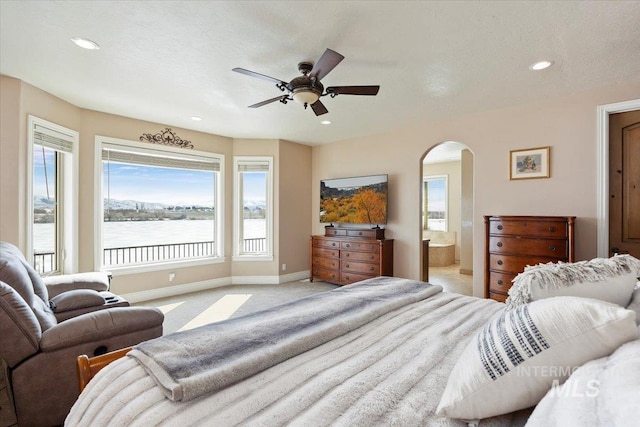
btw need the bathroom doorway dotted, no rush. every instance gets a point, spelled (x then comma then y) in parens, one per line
(447, 216)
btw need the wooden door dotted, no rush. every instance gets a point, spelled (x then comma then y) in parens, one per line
(624, 183)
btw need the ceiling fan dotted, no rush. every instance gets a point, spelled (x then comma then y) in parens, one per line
(307, 88)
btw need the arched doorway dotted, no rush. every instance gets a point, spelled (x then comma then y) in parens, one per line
(447, 216)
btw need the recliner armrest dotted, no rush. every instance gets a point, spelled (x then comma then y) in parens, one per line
(98, 280)
(99, 325)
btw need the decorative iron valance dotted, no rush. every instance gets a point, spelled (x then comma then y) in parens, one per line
(166, 137)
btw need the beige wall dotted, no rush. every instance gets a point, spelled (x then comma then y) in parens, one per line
(466, 214)
(566, 124)
(294, 206)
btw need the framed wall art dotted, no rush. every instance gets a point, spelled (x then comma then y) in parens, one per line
(530, 163)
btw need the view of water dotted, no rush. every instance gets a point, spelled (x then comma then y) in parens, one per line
(140, 233)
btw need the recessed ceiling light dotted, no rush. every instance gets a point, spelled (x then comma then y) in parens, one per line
(85, 43)
(325, 122)
(196, 118)
(540, 65)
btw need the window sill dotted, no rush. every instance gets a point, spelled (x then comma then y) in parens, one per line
(252, 258)
(159, 266)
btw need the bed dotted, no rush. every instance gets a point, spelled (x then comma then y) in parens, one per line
(380, 352)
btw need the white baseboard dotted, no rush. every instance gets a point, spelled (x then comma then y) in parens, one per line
(270, 280)
(170, 291)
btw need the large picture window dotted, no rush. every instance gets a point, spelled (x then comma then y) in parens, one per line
(158, 205)
(51, 237)
(434, 197)
(253, 207)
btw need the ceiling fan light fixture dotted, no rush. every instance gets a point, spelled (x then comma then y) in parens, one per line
(305, 96)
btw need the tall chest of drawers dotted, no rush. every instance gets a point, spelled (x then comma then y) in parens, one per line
(344, 256)
(513, 242)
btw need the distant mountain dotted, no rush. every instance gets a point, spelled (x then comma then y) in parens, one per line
(42, 202)
(132, 205)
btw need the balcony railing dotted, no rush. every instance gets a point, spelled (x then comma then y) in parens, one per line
(46, 261)
(155, 253)
(254, 246)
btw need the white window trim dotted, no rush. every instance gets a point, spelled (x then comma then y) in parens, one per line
(238, 213)
(99, 208)
(446, 196)
(70, 174)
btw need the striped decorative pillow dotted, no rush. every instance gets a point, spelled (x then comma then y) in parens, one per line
(515, 359)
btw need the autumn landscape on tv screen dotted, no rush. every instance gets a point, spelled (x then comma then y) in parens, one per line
(360, 200)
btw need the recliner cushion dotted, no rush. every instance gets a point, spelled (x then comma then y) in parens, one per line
(20, 331)
(76, 299)
(96, 280)
(18, 274)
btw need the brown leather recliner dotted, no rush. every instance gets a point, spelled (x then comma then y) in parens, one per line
(40, 339)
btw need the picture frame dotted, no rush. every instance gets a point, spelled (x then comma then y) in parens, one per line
(530, 163)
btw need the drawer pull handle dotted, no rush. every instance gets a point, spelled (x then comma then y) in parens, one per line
(500, 282)
(371, 257)
(552, 248)
(552, 228)
(500, 262)
(499, 244)
(360, 233)
(371, 268)
(348, 245)
(333, 244)
(347, 254)
(500, 227)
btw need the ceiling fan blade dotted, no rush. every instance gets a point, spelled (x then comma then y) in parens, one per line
(353, 90)
(319, 108)
(260, 76)
(326, 63)
(269, 101)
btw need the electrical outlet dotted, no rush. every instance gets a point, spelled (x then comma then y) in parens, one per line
(172, 276)
(284, 267)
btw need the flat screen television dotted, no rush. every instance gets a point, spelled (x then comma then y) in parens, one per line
(357, 200)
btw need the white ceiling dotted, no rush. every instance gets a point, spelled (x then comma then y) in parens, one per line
(166, 61)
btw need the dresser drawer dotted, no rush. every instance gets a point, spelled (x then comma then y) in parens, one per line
(326, 243)
(529, 228)
(329, 231)
(539, 247)
(361, 267)
(369, 234)
(359, 246)
(328, 263)
(331, 276)
(514, 263)
(327, 253)
(347, 277)
(498, 297)
(360, 256)
(500, 282)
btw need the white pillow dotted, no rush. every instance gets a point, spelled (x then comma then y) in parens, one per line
(607, 279)
(512, 362)
(634, 304)
(602, 391)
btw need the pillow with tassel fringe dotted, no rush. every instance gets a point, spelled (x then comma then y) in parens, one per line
(607, 279)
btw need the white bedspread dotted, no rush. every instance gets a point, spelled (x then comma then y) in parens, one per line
(389, 372)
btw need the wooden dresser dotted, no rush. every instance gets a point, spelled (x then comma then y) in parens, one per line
(513, 242)
(344, 255)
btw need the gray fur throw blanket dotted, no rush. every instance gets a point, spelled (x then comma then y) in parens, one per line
(192, 363)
